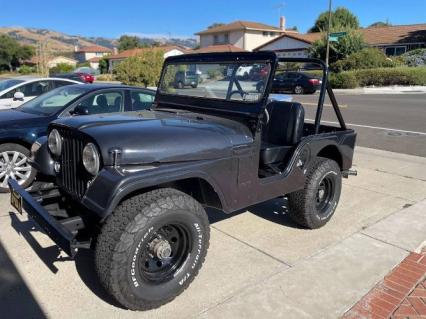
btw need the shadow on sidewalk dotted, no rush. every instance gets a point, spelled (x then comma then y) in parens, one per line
(273, 210)
(16, 299)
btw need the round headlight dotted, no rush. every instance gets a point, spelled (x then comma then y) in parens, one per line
(91, 158)
(55, 142)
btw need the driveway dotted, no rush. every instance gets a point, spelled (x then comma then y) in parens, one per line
(260, 264)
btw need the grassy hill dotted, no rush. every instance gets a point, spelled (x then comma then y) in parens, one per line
(61, 42)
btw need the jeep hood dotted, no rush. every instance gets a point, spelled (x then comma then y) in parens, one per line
(155, 137)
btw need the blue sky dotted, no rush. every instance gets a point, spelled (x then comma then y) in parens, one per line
(184, 18)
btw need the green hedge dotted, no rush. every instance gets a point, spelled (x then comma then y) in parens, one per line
(378, 77)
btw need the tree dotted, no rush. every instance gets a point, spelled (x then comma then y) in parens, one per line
(12, 53)
(143, 69)
(127, 42)
(103, 65)
(341, 18)
(346, 45)
(379, 24)
(215, 25)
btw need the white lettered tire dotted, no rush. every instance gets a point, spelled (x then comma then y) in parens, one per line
(151, 248)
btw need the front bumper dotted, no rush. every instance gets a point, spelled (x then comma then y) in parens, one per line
(62, 236)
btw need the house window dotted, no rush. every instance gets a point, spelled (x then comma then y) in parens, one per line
(265, 33)
(216, 39)
(272, 34)
(226, 38)
(392, 51)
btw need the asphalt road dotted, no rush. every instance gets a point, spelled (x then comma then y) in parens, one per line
(392, 122)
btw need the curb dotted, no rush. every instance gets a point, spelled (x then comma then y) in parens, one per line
(384, 90)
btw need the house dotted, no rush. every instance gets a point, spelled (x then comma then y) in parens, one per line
(218, 48)
(83, 54)
(393, 40)
(245, 35)
(169, 50)
(94, 62)
(52, 61)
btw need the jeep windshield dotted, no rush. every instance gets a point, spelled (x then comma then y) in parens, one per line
(220, 81)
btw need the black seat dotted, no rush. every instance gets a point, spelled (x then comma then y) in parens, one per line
(283, 131)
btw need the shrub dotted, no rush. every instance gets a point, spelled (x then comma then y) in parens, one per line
(343, 80)
(25, 69)
(367, 58)
(143, 69)
(105, 77)
(415, 57)
(379, 77)
(392, 76)
(61, 68)
(103, 65)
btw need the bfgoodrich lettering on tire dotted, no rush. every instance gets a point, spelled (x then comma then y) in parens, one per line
(313, 206)
(151, 248)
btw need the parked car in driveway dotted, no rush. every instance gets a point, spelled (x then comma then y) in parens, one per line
(20, 127)
(16, 91)
(76, 76)
(186, 78)
(294, 82)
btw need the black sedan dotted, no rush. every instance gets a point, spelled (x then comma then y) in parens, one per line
(21, 126)
(294, 82)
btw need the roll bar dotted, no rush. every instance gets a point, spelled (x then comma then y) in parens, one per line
(325, 87)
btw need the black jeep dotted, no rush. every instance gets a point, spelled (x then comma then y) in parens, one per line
(135, 188)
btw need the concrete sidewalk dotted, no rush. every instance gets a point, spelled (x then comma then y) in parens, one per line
(396, 89)
(260, 264)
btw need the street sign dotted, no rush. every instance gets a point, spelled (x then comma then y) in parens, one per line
(334, 37)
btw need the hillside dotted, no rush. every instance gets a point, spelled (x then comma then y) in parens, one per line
(61, 42)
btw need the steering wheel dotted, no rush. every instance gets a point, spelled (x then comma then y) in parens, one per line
(241, 93)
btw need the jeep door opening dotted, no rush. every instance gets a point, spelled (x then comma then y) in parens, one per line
(134, 187)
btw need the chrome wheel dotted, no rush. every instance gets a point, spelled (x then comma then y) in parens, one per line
(14, 164)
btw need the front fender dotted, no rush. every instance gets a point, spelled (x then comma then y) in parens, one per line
(113, 184)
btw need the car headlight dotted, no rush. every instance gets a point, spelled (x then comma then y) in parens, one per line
(55, 142)
(91, 158)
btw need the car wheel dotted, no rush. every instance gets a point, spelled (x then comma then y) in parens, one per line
(151, 248)
(14, 164)
(180, 85)
(194, 86)
(313, 206)
(298, 89)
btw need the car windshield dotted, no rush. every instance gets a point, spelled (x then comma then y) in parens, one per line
(5, 84)
(53, 101)
(244, 82)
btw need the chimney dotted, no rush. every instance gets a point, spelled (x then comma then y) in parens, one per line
(75, 48)
(282, 23)
(114, 50)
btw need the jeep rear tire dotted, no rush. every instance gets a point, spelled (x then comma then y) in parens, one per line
(313, 206)
(151, 248)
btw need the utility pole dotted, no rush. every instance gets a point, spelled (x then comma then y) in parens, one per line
(327, 56)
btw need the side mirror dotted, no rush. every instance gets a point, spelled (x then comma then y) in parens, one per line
(18, 96)
(80, 110)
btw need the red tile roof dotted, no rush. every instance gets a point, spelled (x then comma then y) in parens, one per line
(95, 59)
(219, 48)
(372, 36)
(133, 52)
(240, 25)
(94, 48)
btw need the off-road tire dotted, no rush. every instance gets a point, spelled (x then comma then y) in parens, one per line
(12, 147)
(124, 234)
(303, 203)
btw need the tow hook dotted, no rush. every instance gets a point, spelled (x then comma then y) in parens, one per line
(349, 172)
